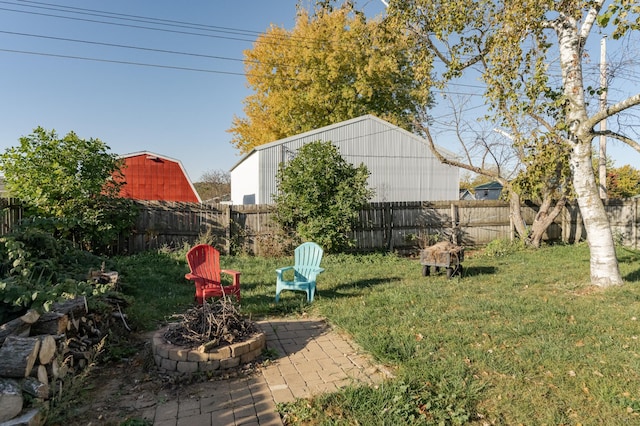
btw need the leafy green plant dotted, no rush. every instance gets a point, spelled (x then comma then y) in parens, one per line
(39, 269)
(320, 195)
(503, 247)
(70, 186)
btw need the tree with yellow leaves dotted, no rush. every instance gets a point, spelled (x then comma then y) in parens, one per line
(334, 65)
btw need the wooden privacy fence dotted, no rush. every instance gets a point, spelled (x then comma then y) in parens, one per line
(383, 226)
(400, 227)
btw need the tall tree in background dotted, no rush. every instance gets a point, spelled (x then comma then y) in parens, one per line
(214, 184)
(623, 182)
(517, 43)
(332, 66)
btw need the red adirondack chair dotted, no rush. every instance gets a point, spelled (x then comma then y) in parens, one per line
(204, 262)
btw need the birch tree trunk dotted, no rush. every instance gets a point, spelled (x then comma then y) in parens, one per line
(603, 261)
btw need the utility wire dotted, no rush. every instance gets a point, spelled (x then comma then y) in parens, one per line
(113, 61)
(124, 46)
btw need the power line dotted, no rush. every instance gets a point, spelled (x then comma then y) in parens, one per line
(115, 14)
(129, 25)
(124, 46)
(113, 61)
(157, 21)
(173, 67)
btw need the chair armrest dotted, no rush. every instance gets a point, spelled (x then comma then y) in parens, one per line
(235, 274)
(280, 271)
(192, 277)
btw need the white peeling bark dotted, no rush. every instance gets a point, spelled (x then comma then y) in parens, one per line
(603, 261)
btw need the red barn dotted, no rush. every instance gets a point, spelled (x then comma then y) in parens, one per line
(149, 176)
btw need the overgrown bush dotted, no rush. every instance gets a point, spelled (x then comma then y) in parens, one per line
(70, 187)
(320, 196)
(38, 269)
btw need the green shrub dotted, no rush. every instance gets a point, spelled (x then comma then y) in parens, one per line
(320, 196)
(504, 246)
(38, 270)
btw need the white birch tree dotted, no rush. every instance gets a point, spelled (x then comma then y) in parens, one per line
(517, 47)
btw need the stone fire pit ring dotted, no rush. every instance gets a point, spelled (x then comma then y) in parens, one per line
(171, 357)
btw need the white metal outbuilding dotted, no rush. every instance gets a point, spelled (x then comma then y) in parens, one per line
(402, 166)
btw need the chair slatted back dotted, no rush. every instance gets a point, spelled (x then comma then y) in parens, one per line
(204, 260)
(307, 258)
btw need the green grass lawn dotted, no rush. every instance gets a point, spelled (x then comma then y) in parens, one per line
(520, 338)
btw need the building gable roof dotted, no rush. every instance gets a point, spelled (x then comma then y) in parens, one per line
(393, 127)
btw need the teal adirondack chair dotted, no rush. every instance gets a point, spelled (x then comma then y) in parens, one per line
(306, 268)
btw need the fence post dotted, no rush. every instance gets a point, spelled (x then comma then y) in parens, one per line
(227, 227)
(388, 225)
(454, 224)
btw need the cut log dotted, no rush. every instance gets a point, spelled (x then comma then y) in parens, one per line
(53, 369)
(18, 326)
(40, 373)
(11, 400)
(18, 355)
(75, 306)
(32, 417)
(47, 349)
(50, 323)
(35, 387)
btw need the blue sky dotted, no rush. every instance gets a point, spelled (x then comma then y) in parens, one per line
(176, 112)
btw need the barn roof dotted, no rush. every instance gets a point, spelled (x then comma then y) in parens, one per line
(166, 184)
(283, 141)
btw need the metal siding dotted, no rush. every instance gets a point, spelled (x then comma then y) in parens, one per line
(402, 166)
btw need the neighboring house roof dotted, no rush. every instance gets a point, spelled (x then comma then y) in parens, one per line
(465, 194)
(489, 185)
(155, 177)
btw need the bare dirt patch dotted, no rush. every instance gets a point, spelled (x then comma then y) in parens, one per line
(131, 388)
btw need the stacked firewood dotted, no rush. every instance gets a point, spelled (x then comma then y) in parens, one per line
(38, 353)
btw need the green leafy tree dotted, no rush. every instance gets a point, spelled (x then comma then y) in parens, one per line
(332, 66)
(69, 186)
(545, 180)
(320, 194)
(623, 182)
(522, 47)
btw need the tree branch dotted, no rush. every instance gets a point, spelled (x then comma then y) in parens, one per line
(451, 162)
(590, 19)
(630, 102)
(632, 143)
